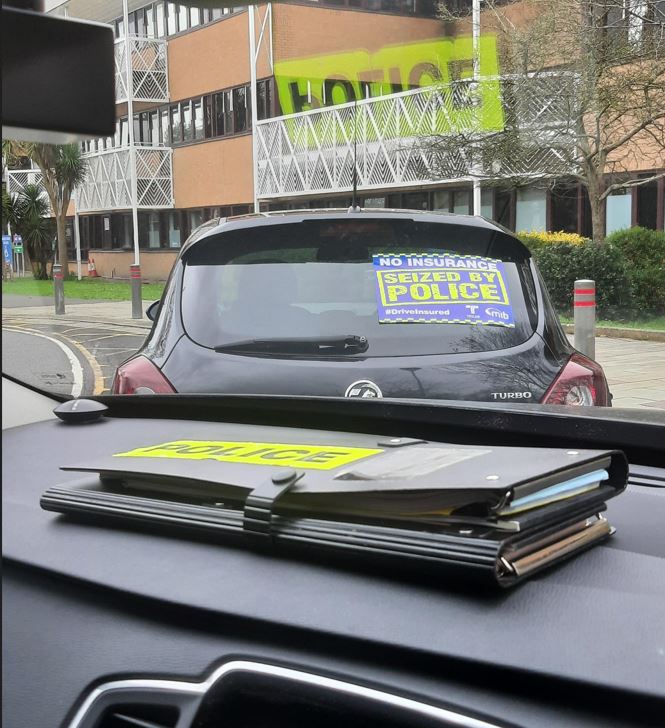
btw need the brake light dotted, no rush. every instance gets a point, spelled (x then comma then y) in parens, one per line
(580, 382)
(140, 376)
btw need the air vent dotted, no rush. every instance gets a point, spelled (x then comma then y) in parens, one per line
(244, 693)
(139, 716)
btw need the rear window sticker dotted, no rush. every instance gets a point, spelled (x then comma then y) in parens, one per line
(314, 457)
(448, 289)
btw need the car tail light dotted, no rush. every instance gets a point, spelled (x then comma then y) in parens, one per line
(140, 376)
(580, 382)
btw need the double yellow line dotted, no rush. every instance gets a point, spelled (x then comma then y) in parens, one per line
(98, 377)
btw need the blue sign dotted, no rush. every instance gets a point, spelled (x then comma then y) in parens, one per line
(442, 289)
(7, 249)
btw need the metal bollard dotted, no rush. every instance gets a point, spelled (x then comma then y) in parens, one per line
(59, 289)
(585, 317)
(137, 303)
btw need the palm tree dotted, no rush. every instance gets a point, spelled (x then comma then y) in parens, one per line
(31, 219)
(63, 169)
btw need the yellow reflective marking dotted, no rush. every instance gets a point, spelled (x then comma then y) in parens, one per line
(314, 457)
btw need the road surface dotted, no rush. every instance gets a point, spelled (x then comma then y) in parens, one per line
(66, 358)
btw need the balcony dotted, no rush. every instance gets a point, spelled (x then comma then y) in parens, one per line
(399, 140)
(108, 182)
(148, 83)
(18, 179)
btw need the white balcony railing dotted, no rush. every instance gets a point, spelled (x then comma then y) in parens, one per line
(108, 181)
(397, 138)
(18, 179)
(148, 81)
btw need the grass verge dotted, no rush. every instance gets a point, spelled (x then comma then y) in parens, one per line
(656, 323)
(90, 289)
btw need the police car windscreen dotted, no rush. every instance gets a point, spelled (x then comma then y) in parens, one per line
(411, 288)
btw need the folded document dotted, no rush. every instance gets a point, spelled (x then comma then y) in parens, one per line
(497, 512)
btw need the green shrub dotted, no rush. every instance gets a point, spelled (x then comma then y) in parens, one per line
(562, 264)
(536, 239)
(644, 254)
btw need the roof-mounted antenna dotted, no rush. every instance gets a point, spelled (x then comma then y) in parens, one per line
(355, 207)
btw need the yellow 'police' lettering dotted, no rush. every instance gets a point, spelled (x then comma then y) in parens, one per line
(315, 457)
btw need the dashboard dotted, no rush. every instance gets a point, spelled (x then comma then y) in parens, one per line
(114, 626)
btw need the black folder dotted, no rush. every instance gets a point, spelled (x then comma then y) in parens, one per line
(435, 505)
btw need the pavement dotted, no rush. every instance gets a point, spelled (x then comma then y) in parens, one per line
(97, 312)
(635, 369)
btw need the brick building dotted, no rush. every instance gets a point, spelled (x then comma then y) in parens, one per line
(198, 149)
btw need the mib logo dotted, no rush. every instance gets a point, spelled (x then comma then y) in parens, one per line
(365, 389)
(495, 313)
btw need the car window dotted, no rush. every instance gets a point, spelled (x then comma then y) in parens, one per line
(318, 279)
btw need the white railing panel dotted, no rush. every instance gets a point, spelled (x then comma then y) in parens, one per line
(396, 137)
(108, 182)
(18, 179)
(149, 71)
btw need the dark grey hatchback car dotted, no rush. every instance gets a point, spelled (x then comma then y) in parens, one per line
(360, 304)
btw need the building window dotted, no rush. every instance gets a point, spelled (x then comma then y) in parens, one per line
(415, 201)
(461, 201)
(154, 128)
(453, 200)
(442, 200)
(160, 20)
(194, 17)
(153, 231)
(188, 128)
(176, 127)
(647, 205)
(197, 117)
(208, 118)
(195, 219)
(150, 21)
(174, 229)
(241, 116)
(171, 19)
(618, 211)
(503, 208)
(164, 118)
(142, 21)
(264, 99)
(564, 209)
(124, 133)
(145, 129)
(228, 112)
(219, 118)
(121, 230)
(183, 12)
(487, 203)
(530, 212)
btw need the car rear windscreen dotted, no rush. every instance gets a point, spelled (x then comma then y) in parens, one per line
(407, 287)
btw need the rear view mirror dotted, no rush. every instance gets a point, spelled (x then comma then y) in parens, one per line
(153, 310)
(48, 94)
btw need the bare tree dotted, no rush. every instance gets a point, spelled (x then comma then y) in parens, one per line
(595, 72)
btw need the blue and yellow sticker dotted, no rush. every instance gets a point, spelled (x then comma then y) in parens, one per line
(313, 457)
(445, 288)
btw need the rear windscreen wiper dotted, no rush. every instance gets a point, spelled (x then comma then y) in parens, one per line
(349, 344)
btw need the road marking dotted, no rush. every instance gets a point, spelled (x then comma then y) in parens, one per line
(98, 376)
(98, 385)
(77, 369)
